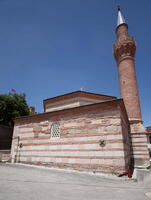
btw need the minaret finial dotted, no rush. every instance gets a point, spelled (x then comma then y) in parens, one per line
(120, 19)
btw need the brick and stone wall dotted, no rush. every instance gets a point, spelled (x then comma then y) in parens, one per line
(74, 99)
(140, 149)
(69, 103)
(81, 131)
(127, 141)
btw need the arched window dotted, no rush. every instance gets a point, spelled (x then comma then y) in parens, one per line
(55, 130)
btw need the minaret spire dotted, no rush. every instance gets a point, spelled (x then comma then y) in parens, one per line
(120, 18)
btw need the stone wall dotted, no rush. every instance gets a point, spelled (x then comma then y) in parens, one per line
(70, 103)
(74, 99)
(79, 144)
(129, 161)
(140, 149)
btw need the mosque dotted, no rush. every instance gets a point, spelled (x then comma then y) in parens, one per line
(89, 131)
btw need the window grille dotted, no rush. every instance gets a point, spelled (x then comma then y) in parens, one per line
(55, 130)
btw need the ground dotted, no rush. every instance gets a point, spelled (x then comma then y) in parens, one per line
(24, 182)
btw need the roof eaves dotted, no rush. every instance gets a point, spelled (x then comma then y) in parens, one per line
(79, 91)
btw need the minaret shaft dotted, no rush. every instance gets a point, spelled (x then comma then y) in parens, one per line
(124, 52)
(128, 88)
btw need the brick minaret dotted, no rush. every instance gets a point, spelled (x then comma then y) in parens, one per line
(124, 52)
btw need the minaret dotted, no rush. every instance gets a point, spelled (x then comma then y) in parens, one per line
(124, 52)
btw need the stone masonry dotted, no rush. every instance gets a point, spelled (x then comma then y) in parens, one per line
(81, 131)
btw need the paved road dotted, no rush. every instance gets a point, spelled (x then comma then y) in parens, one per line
(21, 182)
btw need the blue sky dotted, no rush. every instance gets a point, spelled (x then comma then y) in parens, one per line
(52, 47)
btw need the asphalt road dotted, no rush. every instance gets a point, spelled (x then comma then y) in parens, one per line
(19, 182)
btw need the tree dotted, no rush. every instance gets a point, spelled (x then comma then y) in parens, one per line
(12, 106)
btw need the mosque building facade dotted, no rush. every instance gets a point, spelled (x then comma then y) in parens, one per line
(87, 131)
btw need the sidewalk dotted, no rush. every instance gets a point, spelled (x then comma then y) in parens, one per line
(24, 182)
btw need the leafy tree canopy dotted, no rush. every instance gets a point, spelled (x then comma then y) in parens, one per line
(12, 106)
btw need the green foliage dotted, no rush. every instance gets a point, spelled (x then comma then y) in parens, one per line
(12, 106)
